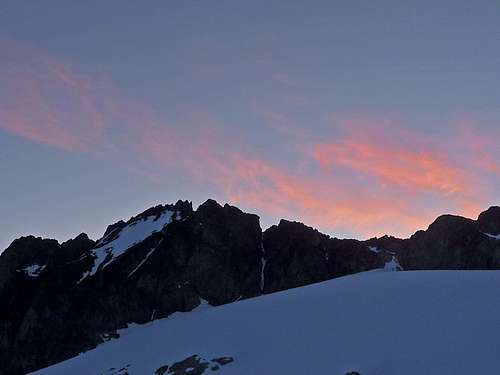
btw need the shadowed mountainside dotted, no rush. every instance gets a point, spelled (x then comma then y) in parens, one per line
(58, 300)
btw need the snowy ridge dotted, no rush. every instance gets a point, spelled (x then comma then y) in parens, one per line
(132, 234)
(375, 323)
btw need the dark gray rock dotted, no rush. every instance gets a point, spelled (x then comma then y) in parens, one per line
(451, 242)
(194, 365)
(215, 253)
(298, 255)
(489, 221)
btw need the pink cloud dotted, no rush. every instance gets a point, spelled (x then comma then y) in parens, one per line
(42, 99)
(369, 176)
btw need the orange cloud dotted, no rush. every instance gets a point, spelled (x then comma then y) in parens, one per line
(43, 100)
(317, 200)
(365, 178)
(422, 169)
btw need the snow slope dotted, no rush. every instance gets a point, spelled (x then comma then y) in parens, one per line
(376, 323)
(130, 235)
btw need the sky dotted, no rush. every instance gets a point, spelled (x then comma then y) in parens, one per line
(358, 118)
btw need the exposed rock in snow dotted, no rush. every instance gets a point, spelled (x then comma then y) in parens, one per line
(389, 323)
(127, 237)
(215, 252)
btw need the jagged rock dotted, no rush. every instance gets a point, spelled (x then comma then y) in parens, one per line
(298, 255)
(212, 254)
(489, 221)
(450, 242)
(53, 307)
(162, 370)
(193, 365)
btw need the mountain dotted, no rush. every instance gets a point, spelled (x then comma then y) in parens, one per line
(59, 300)
(372, 323)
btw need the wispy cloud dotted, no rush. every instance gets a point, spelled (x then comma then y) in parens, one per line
(43, 100)
(368, 177)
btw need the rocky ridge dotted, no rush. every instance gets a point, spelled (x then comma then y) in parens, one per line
(61, 299)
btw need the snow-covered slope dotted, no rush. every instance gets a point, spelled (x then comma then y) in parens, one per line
(136, 231)
(376, 323)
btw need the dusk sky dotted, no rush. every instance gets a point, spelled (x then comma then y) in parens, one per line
(359, 118)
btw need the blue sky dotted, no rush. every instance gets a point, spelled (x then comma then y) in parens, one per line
(357, 118)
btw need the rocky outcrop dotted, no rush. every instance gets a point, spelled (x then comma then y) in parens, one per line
(489, 221)
(30, 269)
(194, 365)
(60, 299)
(213, 254)
(298, 255)
(450, 242)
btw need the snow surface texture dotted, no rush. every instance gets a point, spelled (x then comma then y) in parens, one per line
(130, 235)
(34, 270)
(376, 323)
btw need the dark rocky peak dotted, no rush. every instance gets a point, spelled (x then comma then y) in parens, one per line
(298, 255)
(29, 246)
(446, 225)
(296, 234)
(160, 264)
(182, 208)
(387, 244)
(179, 211)
(27, 251)
(75, 247)
(450, 242)
(211, 212)
(114, 228)
(293, 236)
(25, 256)
(209, 208)
(489, 221)
(443, 236)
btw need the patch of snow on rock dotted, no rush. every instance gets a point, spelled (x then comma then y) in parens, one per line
(34, 270)
(493, 236)
(129, 236)
(393, 265)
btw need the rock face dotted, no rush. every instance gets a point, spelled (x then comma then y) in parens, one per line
(489, 221)
(194, 365)
(213, 254)
(298, 255)
(35, 276)
(58, 300)
(451, 242)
